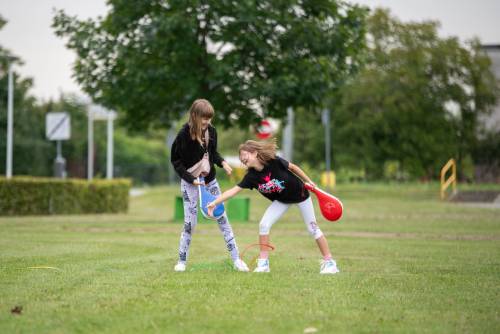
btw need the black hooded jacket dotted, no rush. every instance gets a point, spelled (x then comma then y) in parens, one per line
(186, 152)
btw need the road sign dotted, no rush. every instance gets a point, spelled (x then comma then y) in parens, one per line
(266, 129)
(57, 126)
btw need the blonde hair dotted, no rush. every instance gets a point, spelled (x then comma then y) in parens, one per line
(200, 109)
(266, 150)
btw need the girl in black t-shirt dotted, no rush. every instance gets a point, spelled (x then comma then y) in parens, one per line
(197, 140)
(283, 183)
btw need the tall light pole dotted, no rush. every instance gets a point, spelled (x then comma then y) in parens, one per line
(326, 122)
(90, 147)
(109, 154)
(10, 122)
(328, 177)
(288, 135)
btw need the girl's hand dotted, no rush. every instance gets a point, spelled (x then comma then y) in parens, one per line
(311, 183)
(227, 168)
(210, 209)
(198, 183)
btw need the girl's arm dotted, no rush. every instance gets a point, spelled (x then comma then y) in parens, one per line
(225, 196)
(226, 167)
(176, 160)
(218, 160)
(300, 173)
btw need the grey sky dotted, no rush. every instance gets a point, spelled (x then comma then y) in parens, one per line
(28, 33)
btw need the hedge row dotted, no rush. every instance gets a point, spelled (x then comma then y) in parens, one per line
(46, 196)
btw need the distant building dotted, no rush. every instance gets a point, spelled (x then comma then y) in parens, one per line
(493, 51)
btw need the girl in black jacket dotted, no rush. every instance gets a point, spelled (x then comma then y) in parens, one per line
(188, 150)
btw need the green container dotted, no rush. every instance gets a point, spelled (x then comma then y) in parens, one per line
(179, 211)
(237, 209)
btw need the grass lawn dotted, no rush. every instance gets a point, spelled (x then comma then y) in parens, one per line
(409, 263)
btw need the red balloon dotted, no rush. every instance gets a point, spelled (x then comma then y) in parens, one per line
(331, 207)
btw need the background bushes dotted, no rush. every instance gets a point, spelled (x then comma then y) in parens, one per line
(41, 196)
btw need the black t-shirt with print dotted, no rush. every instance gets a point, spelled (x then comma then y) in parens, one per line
(276, 182)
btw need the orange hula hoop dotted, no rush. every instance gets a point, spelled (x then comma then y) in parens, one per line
(271, 248)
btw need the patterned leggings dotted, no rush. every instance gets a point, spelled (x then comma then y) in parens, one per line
(190, 199)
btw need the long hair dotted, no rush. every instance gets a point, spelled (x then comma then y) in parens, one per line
(200, 109)
(266, 150)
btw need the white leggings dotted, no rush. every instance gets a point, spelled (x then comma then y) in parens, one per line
(277, 209)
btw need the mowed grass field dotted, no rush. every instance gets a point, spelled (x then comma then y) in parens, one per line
(409, 263)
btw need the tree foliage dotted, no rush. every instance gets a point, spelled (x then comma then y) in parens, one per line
(142, 158)
(415, 102)
(150, 59)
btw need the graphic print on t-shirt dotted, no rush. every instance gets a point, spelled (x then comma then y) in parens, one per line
(271, 186)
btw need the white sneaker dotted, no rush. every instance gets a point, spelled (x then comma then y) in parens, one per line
(262, 266)
(239, 265)
(329, 267)
(180, 266)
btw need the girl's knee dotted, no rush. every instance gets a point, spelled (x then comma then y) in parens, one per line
(314, 230)
(264, 228)
(189, 227)
(191, 210)
(318, 234)
(222, 221)
(214, 190)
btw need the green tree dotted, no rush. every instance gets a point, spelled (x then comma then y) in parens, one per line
(416, 101)
(142, 158)
(309, 138)
(151, 59)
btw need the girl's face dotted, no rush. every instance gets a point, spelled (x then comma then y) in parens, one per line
(249, 159)
(204, 123)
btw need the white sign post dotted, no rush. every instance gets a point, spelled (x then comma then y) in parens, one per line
(58, 127)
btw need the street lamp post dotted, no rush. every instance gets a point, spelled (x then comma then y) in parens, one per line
(328, 177)
(326, 123)
(90, 147)
(109, 160)
(288, 135)
(10, 122)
